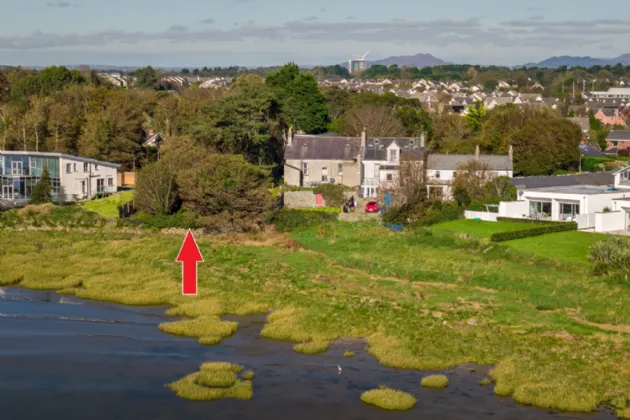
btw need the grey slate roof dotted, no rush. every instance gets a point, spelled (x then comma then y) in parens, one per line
(376, 147)
(590, 151)
(621, 135)
(307, 147)
(583, 122)
(452, 162)
(595, 178)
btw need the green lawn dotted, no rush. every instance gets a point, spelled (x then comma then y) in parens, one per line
(567, 246)
(480, 228)
(108, 207)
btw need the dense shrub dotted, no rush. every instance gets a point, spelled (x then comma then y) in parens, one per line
(288, 220)
(182, 219)
(424, 214)
(332, 193)
(535, 231)
(612, 254)
(439, 212)
(156, 190)
(529, 221)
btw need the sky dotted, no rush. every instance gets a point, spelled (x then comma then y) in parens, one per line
(197, 33)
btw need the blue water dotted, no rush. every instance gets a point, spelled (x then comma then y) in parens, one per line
(65, 358)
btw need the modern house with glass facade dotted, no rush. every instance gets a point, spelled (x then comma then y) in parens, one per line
(75, 177)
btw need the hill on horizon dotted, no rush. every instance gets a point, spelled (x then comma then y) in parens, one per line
(418, 60)
(572, 61)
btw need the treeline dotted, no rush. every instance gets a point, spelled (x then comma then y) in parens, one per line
(66, 111)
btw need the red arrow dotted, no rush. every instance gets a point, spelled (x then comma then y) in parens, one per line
(189, 256)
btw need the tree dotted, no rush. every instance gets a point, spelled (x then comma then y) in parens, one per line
(337, 100)
(303, 103)
(42, 191)
(226, 192)
(475, 115)
(378, 121)
(546, 144)
(249, 122)
(415, 121)
(146, 77)
(156, 189)
(470, 181)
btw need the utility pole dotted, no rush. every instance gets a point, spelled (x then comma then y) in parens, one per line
(574, 88)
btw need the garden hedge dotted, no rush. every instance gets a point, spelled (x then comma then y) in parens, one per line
(536, 231)
(529, 221)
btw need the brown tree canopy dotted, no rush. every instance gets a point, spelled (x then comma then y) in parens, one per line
(378, 121)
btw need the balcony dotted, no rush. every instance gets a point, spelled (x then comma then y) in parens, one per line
(102, 189)
(371, 182)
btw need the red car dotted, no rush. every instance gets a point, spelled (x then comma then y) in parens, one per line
(371, 207)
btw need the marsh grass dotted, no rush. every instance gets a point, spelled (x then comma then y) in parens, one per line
(312, 347)
(434, 381)
(348, 354)
(215, 380)
(207, 328)
(248, 375)
(389, 399)
(485, 382)
(433, 302)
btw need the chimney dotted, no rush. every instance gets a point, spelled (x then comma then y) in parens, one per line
(511, 153)
(151, 132)
(290, 136)
(363, 138)
(477, 152)
(423, 137)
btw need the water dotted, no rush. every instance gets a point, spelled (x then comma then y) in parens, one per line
(62, 357)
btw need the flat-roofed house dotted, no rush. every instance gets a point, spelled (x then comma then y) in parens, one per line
(75, 177)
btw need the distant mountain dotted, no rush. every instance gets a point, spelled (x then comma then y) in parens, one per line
(569, 61)
(418, 60)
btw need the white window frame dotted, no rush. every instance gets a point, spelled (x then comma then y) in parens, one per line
(340, 169)
(437, 174)
(68, 168)
(305, 168)
(86, 167)
(393, 155)
(17, 167)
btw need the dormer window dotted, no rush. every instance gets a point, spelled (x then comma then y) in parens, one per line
(393, 156)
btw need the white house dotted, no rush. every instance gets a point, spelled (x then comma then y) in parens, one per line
(598, 201)
(441, 169)
(75, 177)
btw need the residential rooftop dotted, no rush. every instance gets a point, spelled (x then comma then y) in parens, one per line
(582, 190)
(57, 155)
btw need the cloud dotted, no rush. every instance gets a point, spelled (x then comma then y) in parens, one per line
(207, 21)
(310, 18)
(537, 17)
(61, 4)
(510, 38)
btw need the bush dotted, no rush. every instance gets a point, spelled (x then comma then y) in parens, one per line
(332, 193)
(440, 212)
(288, 220)
(181, 220)
(612, 254)
(529, 221)
(536, 231)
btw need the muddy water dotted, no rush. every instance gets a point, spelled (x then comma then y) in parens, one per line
(61, 357)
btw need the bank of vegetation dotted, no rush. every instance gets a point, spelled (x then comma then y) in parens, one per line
(425, 300)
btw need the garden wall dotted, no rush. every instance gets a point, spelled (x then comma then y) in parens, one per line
(481, 215)
(610, 221)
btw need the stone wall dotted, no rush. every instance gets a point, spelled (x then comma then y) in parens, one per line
(299, 200)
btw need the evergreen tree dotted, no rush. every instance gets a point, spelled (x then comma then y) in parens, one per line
(42, 191)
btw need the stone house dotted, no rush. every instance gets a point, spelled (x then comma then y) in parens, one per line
(312, 159)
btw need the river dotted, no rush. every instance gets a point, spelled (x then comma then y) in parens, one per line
(65, 358)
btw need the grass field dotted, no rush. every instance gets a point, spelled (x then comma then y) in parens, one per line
(108, 206)
(567, 246)
(426, 301)
(480, 228)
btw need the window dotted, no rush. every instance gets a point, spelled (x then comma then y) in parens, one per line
(16, 167)
(68, 168)
(569, 210)
(110, 182)
(437, 174)
(540, 209)
(393, 156)
(377, 171)
(305, 168)
(75, 167)
(96, 167)
(324, 174)
(340, 169)
(86, 167)
(390, 177)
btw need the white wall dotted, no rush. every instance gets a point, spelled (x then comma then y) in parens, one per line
(482, 215)
(514, 209)
(591, 203)
(585, 221)
(72, 181)
(610, 222)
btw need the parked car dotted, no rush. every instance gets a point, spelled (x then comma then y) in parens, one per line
(371, 207)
